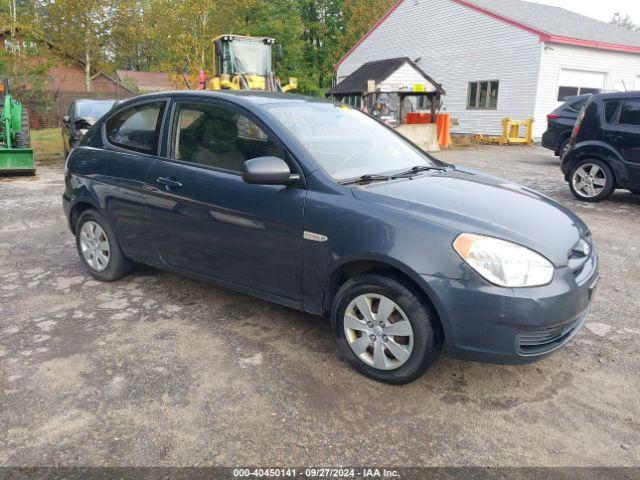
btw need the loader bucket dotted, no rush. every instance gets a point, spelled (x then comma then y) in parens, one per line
(17, 161)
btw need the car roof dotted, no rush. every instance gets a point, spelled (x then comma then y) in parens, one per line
(616, 95)
(245, 98)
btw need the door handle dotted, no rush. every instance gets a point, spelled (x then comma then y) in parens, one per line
(169, 183)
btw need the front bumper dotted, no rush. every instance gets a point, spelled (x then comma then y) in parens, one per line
(486, 323)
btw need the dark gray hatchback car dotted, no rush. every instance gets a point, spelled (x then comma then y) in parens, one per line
(320, 207)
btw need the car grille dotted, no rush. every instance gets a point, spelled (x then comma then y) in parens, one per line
(540, 341)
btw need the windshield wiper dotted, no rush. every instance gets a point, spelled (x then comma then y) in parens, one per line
(417, 169)
(369, 177)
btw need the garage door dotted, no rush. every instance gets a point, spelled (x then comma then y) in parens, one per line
(577, 82)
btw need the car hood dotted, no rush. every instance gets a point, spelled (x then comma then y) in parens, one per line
(464, 200)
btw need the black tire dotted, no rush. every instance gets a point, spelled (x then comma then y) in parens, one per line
(564, 147)
(23, 137)
(118, 265)
(607, 175)
(427, 334)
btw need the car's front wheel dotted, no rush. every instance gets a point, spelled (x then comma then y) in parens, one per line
(99, 249)
(385, 329)
(591, 180)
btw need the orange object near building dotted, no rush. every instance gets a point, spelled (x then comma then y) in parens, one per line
(444, 129)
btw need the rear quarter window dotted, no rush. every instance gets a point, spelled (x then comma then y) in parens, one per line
(577, 106)
(136, 128)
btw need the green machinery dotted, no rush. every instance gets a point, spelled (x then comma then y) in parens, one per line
(16, 155)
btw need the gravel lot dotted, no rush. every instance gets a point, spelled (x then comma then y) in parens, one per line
(162, 370)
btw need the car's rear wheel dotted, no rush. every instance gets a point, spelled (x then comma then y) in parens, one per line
(99, 249)
(591, 180)
(385, 329)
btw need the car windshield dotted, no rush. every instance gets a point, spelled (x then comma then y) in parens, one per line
(93, 110)
(345, 142)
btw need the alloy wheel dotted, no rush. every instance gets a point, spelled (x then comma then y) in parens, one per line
(589, 180)
(378, 331)
(95, 246)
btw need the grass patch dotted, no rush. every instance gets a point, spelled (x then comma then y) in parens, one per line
(47, 145)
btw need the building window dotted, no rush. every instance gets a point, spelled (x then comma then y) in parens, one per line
(567, 92)
(353, 100)
(483, 95)
(12, 46)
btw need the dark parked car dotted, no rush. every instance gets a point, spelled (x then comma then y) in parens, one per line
(560, 123)
(82, 115)
(605, 147)
(322, 208)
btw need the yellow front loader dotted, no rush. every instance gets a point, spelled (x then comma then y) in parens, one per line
(246, 63)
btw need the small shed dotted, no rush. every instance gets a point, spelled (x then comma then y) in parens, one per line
(399, 82)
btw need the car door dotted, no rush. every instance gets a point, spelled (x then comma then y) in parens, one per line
(203, 218)
(118, 171)
(625, 136)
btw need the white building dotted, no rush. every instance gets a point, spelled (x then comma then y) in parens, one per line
(502, 57)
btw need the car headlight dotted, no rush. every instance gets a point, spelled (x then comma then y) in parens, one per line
(503, 263)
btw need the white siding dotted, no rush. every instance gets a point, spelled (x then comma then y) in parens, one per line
(618, 67)
(405, 77)
(457, 45)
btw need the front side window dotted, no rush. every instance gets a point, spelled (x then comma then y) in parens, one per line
(483, 95)
(137, 128)
(630, 113)
(345, 142)
(214, 136)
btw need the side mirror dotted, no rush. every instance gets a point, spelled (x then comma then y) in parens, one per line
(267, 171)
(66, 119)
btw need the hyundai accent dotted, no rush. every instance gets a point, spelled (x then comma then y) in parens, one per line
(322, 208)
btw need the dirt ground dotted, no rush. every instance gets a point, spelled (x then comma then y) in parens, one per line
(157, 369)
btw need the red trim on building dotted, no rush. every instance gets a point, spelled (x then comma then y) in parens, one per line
(591, 44)
(502, 18)
(544, 36)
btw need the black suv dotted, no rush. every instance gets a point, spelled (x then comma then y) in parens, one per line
(560, 123)
(604, 153)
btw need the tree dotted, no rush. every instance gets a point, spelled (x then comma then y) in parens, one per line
(624, 22)
(359, 17)
(79, 29)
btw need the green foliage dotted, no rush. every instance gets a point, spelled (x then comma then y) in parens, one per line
(174, 36)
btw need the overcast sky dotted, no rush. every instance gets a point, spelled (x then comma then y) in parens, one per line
(599, 9)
